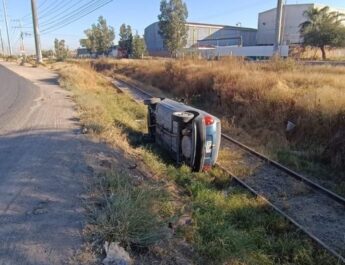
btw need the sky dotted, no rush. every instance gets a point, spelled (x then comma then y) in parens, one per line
(137, 13)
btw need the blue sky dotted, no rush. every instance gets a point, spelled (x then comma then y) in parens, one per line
(137, 13)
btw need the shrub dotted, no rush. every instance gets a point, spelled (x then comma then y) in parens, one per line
(128, 214)
(259, 98)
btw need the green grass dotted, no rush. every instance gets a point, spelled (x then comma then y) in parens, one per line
(128, 213)
(228, 225)
(257, 101)
(237, 227)
(311, 167)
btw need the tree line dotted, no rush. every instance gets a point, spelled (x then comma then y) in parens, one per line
(100, 39)
(172, 27)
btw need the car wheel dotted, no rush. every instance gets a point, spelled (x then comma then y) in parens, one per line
(152, 101)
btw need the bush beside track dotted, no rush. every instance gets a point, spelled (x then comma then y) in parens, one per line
(256, 101)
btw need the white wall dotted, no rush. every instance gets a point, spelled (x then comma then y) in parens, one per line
(292, 18)
(114, 53)
(252, 51)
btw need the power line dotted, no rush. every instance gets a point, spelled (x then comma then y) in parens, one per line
(58, 19)
(28, 16)
(83, 14)
(13, 34)
(57, 26)
(63, 11)
(52, 7)
(74, 12)
(22, 34)
(40, 6)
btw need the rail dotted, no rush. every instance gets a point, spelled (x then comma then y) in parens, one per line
(281, 167)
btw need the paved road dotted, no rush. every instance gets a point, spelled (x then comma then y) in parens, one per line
(42, 169)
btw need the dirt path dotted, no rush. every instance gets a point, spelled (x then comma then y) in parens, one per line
(44, 165)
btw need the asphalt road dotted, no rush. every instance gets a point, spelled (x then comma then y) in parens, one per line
(43, 169)
(14, 100)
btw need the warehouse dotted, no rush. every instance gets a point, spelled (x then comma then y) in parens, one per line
(292, 18)
(201, 35)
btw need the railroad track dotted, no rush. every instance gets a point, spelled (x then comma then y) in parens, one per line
(317, 211)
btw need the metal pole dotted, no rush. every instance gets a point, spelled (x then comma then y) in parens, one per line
(2, 44)
(6, 22)
(278, 28)
(22, 48)
(36, 32)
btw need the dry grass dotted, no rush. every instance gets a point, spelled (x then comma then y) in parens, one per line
(124, 208)
(226, 226)
(106, 113)
(258, 99)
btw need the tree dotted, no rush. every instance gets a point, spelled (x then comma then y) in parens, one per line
(47, 53)
(138, 47)
(126, 38)
(172, 25)
(61, 52)
(99, 38)
(323, 29)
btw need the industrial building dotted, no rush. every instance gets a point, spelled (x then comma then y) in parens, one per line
(223, 40)
(293, 16)
(202, 35)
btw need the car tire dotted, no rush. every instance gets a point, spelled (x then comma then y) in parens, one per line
(150, 126)
(152, 101)
(183, 117)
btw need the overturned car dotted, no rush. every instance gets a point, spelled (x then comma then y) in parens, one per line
(192, 136)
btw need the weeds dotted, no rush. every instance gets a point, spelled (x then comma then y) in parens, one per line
(258, 99)
(227, 225)
(128, 214)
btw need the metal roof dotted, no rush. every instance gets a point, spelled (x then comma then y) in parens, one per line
(218, 26)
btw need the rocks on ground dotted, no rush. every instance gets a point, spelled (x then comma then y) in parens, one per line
(116, 255)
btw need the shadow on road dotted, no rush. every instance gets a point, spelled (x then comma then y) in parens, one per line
(43, 175)
(50, 81)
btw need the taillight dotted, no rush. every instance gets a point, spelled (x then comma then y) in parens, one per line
(208, 120)
(206, 168)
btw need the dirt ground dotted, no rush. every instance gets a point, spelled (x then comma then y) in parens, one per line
(45, 168)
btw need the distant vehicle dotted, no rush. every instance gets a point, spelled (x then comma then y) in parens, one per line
(192, 136)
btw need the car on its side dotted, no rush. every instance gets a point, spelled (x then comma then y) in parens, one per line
(190, 135)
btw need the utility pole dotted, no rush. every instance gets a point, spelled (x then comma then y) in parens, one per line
(2, 44)
(36, 32)
(22, 34)
(6, 22)
(279, 21)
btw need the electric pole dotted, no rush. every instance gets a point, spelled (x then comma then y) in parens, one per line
(6, 22)
(279, 21)
(2, 44)
(22, 34)
(36, 32)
